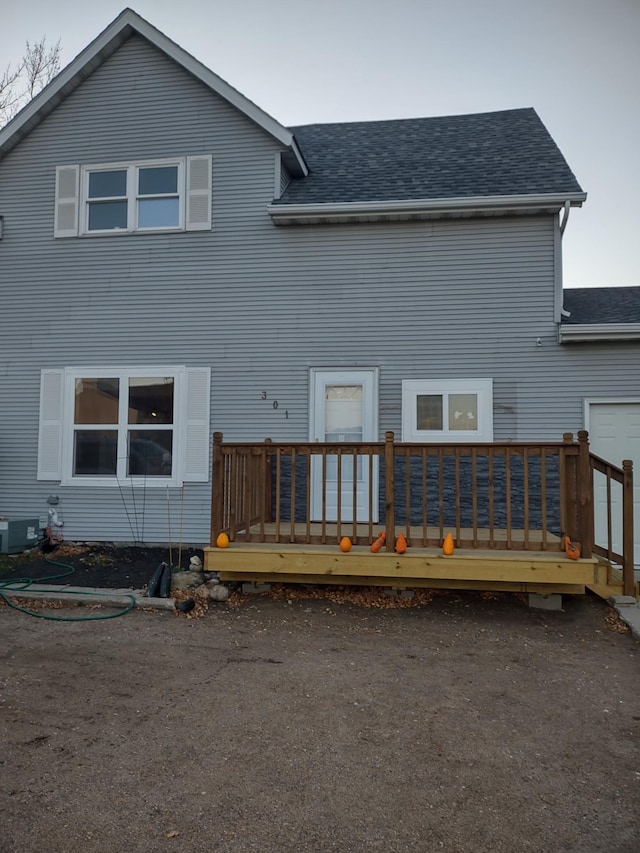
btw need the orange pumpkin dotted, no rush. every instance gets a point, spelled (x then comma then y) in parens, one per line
(222, 541)
(401, 543)
(377, 544)
(345, 544)
(570, 548)
(448, 545)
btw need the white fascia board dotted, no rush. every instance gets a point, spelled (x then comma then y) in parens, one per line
(347, 210)
(299, 157)
(114, 35)
(599, 332)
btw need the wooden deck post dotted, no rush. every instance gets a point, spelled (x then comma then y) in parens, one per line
(389, 490)
(627, 528)
(585, 494)
(568, 487)
(217, 488)
(267, 482)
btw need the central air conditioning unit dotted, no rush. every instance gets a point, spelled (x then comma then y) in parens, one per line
(18, 534)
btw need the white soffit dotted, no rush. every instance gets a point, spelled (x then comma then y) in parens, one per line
(599, 332)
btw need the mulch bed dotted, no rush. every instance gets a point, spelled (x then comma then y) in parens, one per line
(94, 565)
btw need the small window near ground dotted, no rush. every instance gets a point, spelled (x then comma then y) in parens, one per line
(457, 410)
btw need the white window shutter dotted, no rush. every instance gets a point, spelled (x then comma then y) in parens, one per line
(198, 206)
(67, 191)
(196, 451)
(51, 419)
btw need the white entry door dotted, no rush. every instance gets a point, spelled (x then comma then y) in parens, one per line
(344, 407)
(614, 435)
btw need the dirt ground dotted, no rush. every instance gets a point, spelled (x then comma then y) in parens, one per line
(468, 723)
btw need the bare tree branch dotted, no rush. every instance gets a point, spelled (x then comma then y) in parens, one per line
(19, 84)
(40, 65)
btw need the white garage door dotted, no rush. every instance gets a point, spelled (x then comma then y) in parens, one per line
(614, 434)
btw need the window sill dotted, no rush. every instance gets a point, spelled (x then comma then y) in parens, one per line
(112, 482)
(127, 232)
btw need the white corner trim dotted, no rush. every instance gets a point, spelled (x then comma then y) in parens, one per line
(598, 332)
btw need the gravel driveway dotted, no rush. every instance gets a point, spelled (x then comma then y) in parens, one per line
(468, 724)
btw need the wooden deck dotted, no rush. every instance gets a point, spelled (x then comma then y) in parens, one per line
(423, 568)
(541, 571)
(504, 503)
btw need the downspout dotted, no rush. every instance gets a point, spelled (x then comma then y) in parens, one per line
(563, 225)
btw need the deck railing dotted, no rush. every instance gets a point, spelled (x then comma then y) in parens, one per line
(504, 495)
(623, 477)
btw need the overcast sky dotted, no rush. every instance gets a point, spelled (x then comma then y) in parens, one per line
(577, 62)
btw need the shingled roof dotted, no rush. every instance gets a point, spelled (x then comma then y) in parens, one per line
(507, 153)
(596, 305)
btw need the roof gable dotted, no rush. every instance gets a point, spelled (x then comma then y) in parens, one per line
(124, 26)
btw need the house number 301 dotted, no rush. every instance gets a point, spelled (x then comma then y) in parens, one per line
(263, 396)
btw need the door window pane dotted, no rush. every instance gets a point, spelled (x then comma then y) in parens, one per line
(96, 401)
(343, 422)
(429, 411)
(343, 413)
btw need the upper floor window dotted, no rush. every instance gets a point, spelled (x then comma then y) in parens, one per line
(126, 198)
(134, 198)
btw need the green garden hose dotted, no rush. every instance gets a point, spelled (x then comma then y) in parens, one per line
(26, 583)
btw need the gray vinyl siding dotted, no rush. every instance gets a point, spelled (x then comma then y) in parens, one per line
(258, 303)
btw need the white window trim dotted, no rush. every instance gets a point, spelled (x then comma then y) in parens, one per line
(132, 195)
(194, 192)
(412, 388)
(191, 439)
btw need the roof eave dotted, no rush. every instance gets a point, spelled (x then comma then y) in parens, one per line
(591, 332)
(297, 214)
(109, 40)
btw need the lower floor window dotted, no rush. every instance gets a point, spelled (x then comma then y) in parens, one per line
(106, 425)
(123, 425)
(455, 410)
